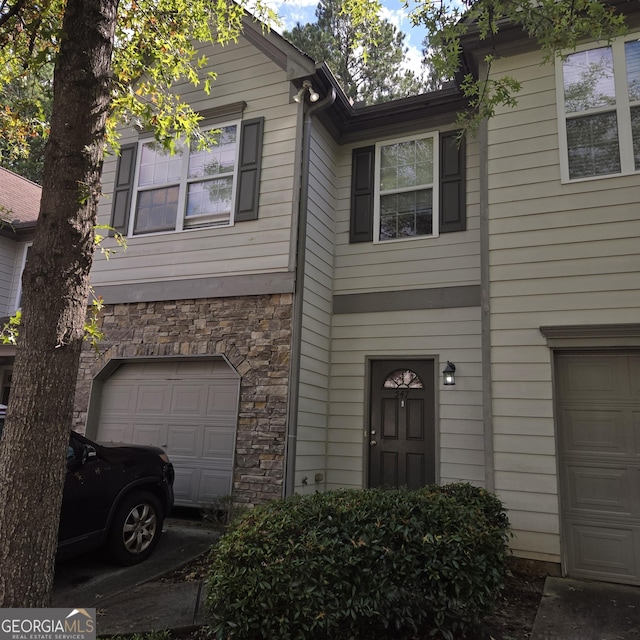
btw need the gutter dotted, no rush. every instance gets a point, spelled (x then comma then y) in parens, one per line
(16, 230)
(296, 338)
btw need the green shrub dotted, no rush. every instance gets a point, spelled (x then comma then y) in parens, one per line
(360, 565)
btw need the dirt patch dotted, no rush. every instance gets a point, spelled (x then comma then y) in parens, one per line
(197, 569)
(516, 611)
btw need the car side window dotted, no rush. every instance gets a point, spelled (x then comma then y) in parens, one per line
(74, 451)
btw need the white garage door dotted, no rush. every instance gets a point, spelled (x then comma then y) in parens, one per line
(599, 435)
(189, 409)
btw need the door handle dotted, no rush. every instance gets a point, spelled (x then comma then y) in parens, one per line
(373, 442)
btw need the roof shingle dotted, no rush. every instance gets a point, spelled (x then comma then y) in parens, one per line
(19, 198)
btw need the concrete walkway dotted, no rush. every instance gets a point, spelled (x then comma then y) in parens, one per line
(153, 607)
(584, 610)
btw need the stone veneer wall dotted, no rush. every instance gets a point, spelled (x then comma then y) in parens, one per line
(253, 332)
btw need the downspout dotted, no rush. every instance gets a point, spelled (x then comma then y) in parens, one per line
(485, 311)
(296, 338)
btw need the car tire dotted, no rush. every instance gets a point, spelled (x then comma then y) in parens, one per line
(136, 528)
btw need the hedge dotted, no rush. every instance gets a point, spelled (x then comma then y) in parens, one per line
(360, 564)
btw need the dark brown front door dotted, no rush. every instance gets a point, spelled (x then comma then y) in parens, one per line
(402, 429)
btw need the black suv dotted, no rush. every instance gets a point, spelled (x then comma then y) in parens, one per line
(114, 496)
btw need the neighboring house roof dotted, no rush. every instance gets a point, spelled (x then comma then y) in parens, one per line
(19, 199)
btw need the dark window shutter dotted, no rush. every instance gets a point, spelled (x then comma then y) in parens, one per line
(453, 188)
(362, 183)
(249, 170)
(123, 188)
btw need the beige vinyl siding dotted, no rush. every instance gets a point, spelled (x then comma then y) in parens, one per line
(449, 260)
(316, 322)
(260, 246)
(452, 259)
(558, 254)
(8, 258)
(442, 334)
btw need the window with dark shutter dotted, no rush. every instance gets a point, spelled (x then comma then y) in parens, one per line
(193, 188)
(249, 170)
(123, 188)
(407, 201)
(452, 183)
(362, 187)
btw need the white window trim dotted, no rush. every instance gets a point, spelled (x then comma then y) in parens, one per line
(182, 198)
(5, 377)
(435, 222)
(23, 262)
(621, 108)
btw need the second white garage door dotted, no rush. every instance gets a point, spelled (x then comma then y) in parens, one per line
(189, 409)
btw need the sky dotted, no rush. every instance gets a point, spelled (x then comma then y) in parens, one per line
(303, 11)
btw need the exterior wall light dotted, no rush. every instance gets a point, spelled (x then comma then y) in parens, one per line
(449, 374)
(314, 96)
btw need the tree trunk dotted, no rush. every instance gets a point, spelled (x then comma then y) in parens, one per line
(55, 291)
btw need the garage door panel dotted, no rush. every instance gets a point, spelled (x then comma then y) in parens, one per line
(223, 398)
(598, 410)
(603, 490)
(214, 484)
(218, 442)
(129, 372)
(189, 408)
(604, 552)
(150, 434)
(188, 400)
(203, 369)
(185, 485)
(590, 376)
(151, 371)
(152, 399)
(634, 377)
(121, 399)
(207, 484)
(595, 431)
(185, 441)
(115, 432)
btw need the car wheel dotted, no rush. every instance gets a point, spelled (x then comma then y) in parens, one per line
(136, 528)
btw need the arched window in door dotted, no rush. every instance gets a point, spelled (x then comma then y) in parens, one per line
(402, 380)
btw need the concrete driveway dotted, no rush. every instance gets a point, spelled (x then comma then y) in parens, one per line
(87, 580)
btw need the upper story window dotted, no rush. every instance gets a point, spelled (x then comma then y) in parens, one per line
(599, 110)
(191, 188)
(406, 188)
(156, 192)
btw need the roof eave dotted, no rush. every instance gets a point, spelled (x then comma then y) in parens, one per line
(511, 38)
(348, 123)
(17, 230)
